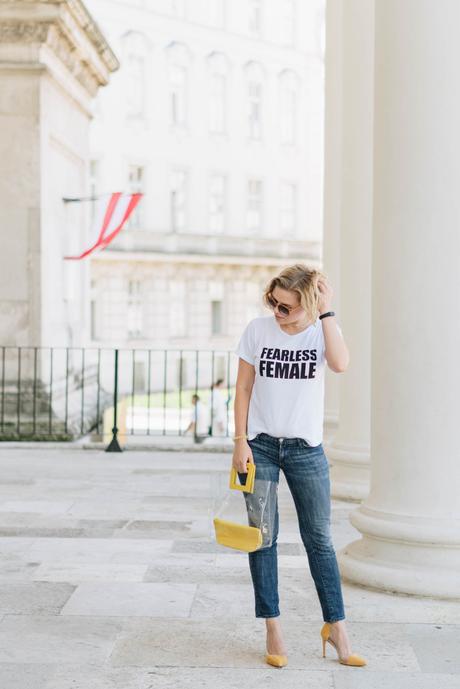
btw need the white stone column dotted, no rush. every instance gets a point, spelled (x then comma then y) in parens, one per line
(332, 188)
(410, 522)
(353, 67)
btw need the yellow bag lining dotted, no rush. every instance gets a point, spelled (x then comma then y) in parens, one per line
(238, 536)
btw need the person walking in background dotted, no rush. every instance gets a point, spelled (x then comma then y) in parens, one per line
(199, 420)
(219, 409)
(279, 408)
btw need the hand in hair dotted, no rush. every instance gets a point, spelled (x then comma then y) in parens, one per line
(325, 295)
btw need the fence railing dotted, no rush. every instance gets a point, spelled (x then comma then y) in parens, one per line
(62, 393)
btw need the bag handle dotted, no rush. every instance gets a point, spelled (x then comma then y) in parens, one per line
(248, 487)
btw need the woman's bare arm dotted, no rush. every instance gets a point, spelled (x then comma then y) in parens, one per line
(243, 389)
(337, 354)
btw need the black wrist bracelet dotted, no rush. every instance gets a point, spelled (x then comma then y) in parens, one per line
(328, 313)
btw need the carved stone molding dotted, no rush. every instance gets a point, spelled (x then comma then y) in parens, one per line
(70, 57)
(65, 28)
(24, 32)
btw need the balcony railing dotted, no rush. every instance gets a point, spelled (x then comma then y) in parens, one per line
(63, 393)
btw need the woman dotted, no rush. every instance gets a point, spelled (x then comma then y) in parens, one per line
(278, 425)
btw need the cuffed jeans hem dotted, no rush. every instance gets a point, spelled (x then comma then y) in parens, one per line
(275, 614)
(337, 620)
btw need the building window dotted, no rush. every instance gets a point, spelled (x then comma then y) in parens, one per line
(255, 18)
(287, 22)
(255, 109)
(136, 176)
(93, 186)
(254, 76)
(254, 206)
(288, 90)
(139, 382)
(94, 322)
(135, 309)
(182, 371)
(178, 200)
(217, 64)
(93, 177)
(177, 8)
(217, 204)
(178, 95)
(288, 202)
(111, 296)
(215, 13)
(177, 308)
(134, 68)
(217, 104)
(216, 318)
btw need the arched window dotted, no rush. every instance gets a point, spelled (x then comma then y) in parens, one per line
(255, 82)
(288, 209)
(134, 65)
(218, 69)
(216, 203)
(255, 18)
(178, 199)
(287, 22)
(214, 13)
(288, 85)
(179, 58)
(254, 209)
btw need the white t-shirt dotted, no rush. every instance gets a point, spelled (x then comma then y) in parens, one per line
(287, 399)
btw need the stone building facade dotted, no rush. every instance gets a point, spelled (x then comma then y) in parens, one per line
(216, 116)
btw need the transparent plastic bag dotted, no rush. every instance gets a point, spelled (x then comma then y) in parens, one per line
(247, 524)
(261, 508)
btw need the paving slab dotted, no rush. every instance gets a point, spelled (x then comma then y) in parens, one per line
(436, 646)
(83, 572)
(111, 579)
(393, 680)
(188, 678)
(128, 599)
(26, 639)
(34, 597)
(25, 676)
(239, 642)
(92, 550)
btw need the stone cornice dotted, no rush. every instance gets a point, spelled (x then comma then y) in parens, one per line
(61, 29)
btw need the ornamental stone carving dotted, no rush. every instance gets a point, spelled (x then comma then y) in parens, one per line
(24, 32)
(66, 28)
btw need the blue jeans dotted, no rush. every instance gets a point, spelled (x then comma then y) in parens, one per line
(307, 473)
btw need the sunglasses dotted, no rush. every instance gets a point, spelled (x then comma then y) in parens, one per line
(284, 309)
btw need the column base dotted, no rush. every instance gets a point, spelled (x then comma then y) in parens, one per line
(350, 471)
(330, 425)
(403, 554)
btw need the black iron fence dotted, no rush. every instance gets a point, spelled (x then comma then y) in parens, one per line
(62, 393)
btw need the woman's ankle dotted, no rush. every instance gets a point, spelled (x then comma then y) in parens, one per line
(273, 622)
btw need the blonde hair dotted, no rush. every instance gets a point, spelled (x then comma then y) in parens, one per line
(301, 279)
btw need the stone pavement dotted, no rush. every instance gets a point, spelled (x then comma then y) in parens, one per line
(111, 579)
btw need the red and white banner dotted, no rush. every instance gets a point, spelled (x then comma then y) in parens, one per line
(112, 212)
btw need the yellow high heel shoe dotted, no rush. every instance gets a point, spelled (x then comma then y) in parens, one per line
(276, 660)
(352, 659)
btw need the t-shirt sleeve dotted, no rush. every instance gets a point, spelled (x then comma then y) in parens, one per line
(245, 348)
